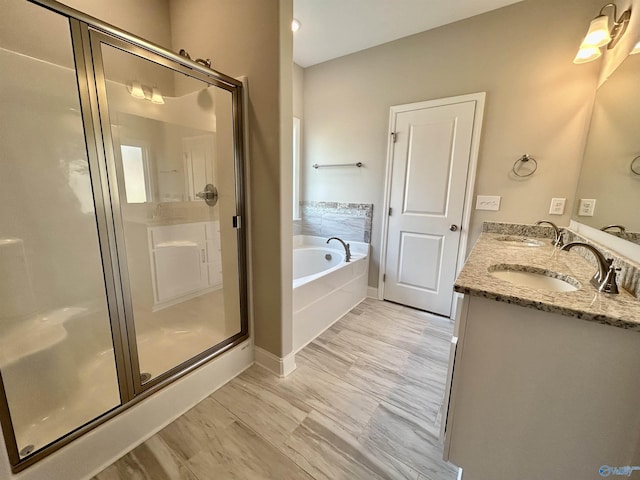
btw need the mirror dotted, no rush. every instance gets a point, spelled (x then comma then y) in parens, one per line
(607, 174)
(161, 161)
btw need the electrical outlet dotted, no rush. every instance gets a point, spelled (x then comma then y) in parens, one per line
(587, 207)
(487, 202)
(557, 206)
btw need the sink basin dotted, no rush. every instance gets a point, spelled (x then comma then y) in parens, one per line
(534, 277)
(520, 241)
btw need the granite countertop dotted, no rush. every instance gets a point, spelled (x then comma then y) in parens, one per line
(622, 310)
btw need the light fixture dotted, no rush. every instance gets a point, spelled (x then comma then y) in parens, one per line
(295, 25)
(136, 90)
(156, 96)
(145, 92)
(636, 49)
(599, 34)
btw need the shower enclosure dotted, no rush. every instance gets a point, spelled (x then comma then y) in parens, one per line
(121, 247)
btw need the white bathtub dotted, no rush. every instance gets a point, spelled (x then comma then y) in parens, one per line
(324, 289)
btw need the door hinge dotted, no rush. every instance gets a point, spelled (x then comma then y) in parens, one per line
(384, 277)
(390, 210)
(394, 136)
(237, 221)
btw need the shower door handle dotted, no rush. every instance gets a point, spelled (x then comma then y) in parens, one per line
(209, 195)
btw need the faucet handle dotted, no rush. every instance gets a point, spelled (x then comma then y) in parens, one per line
(609, 284)
(559, 241)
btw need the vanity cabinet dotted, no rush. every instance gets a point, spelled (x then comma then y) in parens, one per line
(185, 261)
(538, 395)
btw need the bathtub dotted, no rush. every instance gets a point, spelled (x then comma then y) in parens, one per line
(325, 287)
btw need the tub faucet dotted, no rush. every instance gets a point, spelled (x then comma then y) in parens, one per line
(558, 241)
(605, 277)
(347, 248)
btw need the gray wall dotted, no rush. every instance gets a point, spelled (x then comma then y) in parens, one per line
(538, 102)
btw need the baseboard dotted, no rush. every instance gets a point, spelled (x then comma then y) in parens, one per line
(372, 292)
(280, 366)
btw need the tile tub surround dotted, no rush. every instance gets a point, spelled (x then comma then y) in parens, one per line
(586, 303)
(364, 404)
(349, 221)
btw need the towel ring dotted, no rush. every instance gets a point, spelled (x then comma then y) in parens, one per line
(522, 160)
(635, 168)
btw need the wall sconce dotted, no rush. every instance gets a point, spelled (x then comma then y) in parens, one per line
(143, 92)
(599, 34)
(636, 49)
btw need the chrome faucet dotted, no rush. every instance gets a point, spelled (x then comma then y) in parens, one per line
(605, 277)
(347, 248)
(619, 227)
(558, 241)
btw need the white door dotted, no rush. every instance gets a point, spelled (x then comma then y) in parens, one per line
(430, 161)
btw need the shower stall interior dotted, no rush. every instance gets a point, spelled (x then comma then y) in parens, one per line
(121, 248)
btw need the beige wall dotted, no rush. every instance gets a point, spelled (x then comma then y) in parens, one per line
(538, 102)
(298, 91)
(148, 19)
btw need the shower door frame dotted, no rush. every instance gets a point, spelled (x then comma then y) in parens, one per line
(87, 34)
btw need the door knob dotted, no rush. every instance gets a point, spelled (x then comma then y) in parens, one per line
(209, 195)
(453, 228)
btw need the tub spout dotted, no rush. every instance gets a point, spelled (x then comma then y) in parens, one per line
(347, 248)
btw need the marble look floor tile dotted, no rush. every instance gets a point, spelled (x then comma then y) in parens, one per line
(266, 412)
(372, 349)
(238, 452)
(394, 431)
(386, 330)
(153, 460)
(310, 388)
(328, 452)
(342, 402)
(186, 435)
(327, 356)
(362, 404)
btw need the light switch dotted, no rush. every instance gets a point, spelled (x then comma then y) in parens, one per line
(557, 206)
(487, 202)
(587, 207)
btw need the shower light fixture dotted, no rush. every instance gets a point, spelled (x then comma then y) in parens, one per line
(295, 25)
(599, 34)
(136, 90)
(156, 96)
(144, 92)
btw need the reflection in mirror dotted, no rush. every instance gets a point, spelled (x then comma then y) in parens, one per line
(135, 167)
(612, 144)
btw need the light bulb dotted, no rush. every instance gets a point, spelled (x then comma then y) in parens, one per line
(136, 90)
(295, 25)
(587, 54)
(156, 96)
(598, 34)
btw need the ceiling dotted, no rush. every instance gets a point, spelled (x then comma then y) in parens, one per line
(333, 28)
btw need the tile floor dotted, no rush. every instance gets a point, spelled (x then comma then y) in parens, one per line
(364, 403)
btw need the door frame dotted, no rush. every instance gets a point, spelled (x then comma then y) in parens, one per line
(394, 110)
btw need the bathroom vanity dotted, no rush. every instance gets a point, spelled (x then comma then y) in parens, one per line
(544, 379)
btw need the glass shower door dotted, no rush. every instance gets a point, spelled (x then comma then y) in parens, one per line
(170, 153)
(57, 358)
